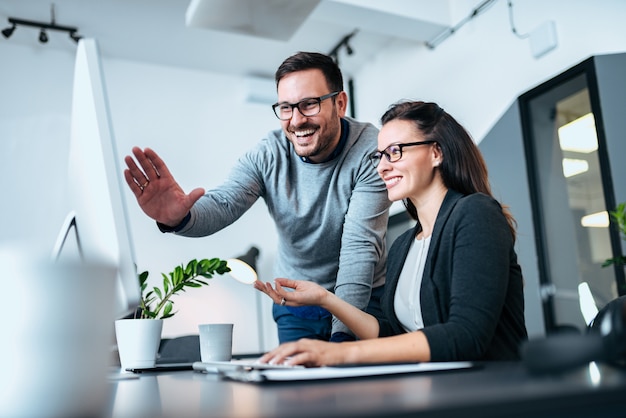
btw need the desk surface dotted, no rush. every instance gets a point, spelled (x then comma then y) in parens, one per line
(492, 390)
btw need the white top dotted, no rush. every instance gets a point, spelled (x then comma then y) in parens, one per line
(407, 298)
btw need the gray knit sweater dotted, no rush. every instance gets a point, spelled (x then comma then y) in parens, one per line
(331, 217)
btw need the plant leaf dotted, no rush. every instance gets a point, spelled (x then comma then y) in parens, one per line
(167, 309)
(192, 284)
(214, 263)
(191, 267)
(166, 286)
(143, 277)
(179, 274)
(619, 217)
(608, 262)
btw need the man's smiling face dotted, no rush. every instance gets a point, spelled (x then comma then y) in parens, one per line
(314, 137)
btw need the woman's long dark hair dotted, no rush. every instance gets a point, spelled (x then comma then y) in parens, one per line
(463, 168)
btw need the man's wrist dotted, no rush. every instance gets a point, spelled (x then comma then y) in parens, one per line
(340, 337)
(181, 224)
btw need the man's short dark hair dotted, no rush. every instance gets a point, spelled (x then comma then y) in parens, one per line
(312, 60)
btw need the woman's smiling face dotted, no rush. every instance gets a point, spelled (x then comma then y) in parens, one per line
(414, 173)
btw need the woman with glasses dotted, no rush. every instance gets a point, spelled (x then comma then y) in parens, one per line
(454, 289)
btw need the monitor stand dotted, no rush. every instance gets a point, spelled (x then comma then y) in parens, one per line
(68, 225)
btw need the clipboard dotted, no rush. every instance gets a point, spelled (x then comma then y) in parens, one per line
(293, 374)
(223, 367)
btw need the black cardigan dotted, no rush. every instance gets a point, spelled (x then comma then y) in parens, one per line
(471, 295)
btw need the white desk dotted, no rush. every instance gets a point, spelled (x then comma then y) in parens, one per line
(495, 390)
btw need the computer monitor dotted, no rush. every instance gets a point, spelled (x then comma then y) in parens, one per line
(96, 189)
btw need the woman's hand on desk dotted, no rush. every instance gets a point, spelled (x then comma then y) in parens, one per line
(302, 293)
(157, 193)
(310, 353)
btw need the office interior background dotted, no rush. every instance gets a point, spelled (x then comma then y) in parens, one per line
(200, 95)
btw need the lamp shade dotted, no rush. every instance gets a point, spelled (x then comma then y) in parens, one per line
(243, 268)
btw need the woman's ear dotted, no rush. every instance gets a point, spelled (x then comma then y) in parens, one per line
(437, 155)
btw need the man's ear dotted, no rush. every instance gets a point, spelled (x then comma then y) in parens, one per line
(341, 101)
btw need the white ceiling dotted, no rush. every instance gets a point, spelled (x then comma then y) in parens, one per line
(155, 31)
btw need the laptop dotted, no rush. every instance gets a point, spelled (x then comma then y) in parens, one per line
(163, 367)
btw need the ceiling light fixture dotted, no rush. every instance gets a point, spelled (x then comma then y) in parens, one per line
(595, 220)
(574, 166)
(43, 36)
(432, 44)
(579, 135)
(75, 37)
(8, 31)
(343, 43)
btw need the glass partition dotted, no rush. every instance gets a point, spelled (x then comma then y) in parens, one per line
(568, 168)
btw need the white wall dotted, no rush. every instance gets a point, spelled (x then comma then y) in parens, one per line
(200, 123)
(479, 71)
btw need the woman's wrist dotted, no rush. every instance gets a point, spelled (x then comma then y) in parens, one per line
(327, 301)
(351, 354)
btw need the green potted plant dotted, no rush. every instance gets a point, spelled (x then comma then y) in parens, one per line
(138, 338)
(156, 303)
(619, 216)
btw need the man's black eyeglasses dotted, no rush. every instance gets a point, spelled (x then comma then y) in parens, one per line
(393, 152)
(310, 106)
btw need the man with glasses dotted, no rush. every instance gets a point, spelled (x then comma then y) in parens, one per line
(329, 204)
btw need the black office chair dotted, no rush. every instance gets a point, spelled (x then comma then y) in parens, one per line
(604, 341)
(184, 349)
(610, 324)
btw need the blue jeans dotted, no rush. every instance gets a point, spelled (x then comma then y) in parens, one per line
(312, 321)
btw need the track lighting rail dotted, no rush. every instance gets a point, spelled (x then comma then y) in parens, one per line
(43, 37)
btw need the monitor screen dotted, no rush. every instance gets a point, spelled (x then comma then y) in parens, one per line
(96, 187)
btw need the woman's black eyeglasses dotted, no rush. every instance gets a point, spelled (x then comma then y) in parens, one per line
(393, 152)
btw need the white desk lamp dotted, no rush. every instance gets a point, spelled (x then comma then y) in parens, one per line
(243, 268)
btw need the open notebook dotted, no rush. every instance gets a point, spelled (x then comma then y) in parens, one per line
(251, 371)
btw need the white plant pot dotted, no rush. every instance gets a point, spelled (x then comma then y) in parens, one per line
(138, 342)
